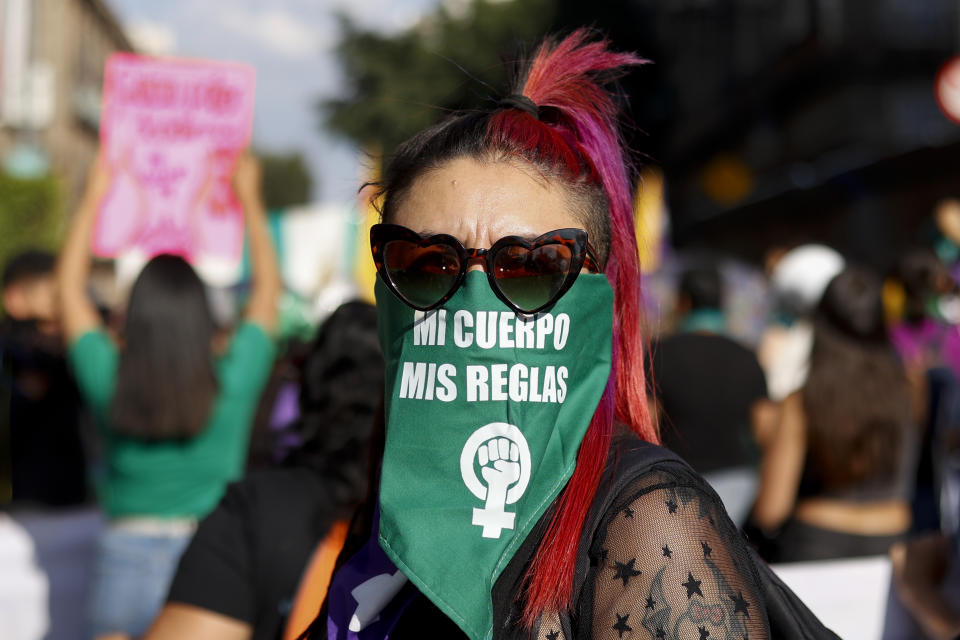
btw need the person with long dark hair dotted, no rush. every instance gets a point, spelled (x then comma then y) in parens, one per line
(520, 491)
(174, 414)
(837, 476)
(239, 575)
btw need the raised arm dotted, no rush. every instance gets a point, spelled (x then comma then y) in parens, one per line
(73, 267)
(262, 305)
(183, 621)
(782, 466)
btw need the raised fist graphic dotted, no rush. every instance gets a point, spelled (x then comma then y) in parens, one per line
(503, 457)
(500, 463)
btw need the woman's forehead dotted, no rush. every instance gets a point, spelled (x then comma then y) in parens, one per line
(478, 200)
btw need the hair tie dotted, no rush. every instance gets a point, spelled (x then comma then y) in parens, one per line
(521, 102)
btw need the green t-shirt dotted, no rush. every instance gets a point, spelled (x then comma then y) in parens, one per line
(175, 478)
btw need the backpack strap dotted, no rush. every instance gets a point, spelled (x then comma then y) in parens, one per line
(629, 459)
(313, 585)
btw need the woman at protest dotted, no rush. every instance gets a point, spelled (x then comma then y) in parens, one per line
(520, 492)
(174, 413)
(837, 475)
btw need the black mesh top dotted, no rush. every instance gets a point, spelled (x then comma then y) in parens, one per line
(666, 563)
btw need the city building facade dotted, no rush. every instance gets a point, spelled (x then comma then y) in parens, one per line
(52, 56)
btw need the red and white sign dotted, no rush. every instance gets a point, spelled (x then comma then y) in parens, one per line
(947, 88)
(171, 130)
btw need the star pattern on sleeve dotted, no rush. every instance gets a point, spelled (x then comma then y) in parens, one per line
(692, 585)
(622, 627)
(625, 571)
(670, 543)
(740, 604)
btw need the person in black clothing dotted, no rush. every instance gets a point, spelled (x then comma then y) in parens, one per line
(710, 390)
(44, 409)
(43, 458)
(238, 577)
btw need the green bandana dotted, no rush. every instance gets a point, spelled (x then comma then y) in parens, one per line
(485, 412)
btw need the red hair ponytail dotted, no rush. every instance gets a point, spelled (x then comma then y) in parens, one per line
(579, 134)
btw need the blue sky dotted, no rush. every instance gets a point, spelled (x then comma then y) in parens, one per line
(290, 43)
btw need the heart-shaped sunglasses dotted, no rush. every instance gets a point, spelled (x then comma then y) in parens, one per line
(529, 276)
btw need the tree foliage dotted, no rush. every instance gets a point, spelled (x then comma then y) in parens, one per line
(31, 215)
(400, 83)
(286, 180)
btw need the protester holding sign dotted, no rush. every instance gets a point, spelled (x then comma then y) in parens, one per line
(521, 494)
(175, 416)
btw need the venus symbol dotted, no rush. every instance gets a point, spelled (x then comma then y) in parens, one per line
(502, 453)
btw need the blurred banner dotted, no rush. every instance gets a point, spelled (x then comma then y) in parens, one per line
(825, 587)
(171, 131)
(650, 218)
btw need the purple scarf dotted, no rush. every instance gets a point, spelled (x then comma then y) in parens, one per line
(367, 596)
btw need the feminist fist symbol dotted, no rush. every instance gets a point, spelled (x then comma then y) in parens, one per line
(504, 458)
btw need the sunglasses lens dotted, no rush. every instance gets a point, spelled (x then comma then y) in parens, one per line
(531, 278)
(421, 274)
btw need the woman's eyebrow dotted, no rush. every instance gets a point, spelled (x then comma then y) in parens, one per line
(530, 237)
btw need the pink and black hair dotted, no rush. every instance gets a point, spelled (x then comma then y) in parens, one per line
(572, 138)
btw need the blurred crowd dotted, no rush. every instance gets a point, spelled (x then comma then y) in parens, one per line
(831, 431)
(127, 424)
(175, 474)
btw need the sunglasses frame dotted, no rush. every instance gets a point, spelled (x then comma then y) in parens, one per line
(581, 254)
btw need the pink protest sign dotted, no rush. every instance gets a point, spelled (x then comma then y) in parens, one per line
(171, 131)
